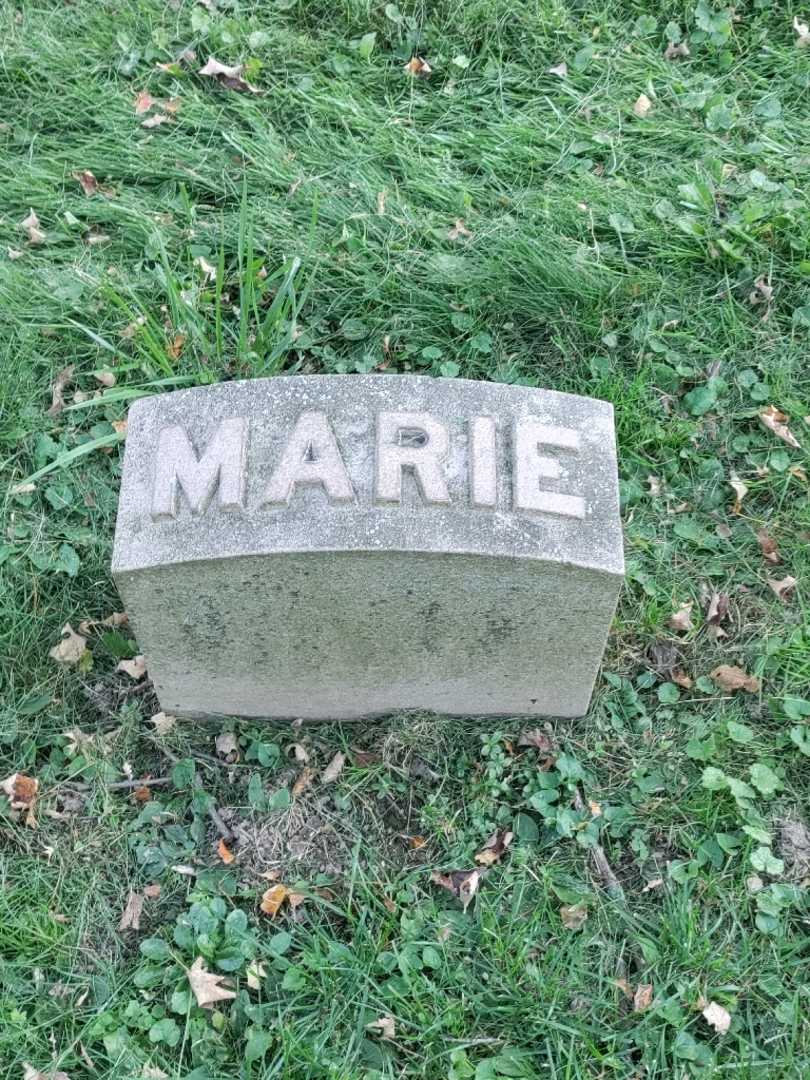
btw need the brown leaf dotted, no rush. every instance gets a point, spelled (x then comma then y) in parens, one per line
(273, 898)
(461, 883)
(560, 70)
(71, 649)
(119, 427)
(143, 102)
(417, 66)
(304, 781)
(333, 769)
(116, 619)
(625, 987)
(776, 421)
(62, 381)
(206, 986)
(783, 587)
(803, 30)
(208, 270)
(155, 120)
(654, 485)
(363, 758)
(761, 293)
(573, 916)
(416, 842)
(106, 378)
(740, 490)
(716, 613)
(675, 50)
(458, 230)
(494, 848)
(227, 747)
(767, 545)
(135, 668)
(229, 77)
(30, 1073)
(163, 722)
(172, 105)
(22, 791)
(539, 740)
(642, 999)
(225, 853)
(731, 678)
(152, 892)
(31, 226)
(131, 917)
(175, 346)
(717, 1017)
(642, 106)
(385, 1027)
(682, 618)
(680, 678)
(88, 182)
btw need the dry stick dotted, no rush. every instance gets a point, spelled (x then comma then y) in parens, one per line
(125, 785)
(213, 813)
(603, 867)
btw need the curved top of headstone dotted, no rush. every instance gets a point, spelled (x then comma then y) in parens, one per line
(369, 463)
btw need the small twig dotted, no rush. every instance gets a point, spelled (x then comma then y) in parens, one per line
(603, 867)
(126, 785)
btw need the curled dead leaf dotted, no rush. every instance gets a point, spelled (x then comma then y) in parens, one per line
(680, 678)
(675, 50)
(87, 181)
(303, 781)
(740, 490)
(254, 974)
(229, 77)
(106, 378)
(273, 898)
(31, 226)
(560, 70)
(767, 545)
(208, 270)
(21, 792)
(762, 292)
(135, 668)
(227, 746)
(131, 916)
(385, 1027)
(458, 230)
(175, 346)
(716, 614)
(333, 769)
(803, 30)
(776, 421)
(155, 120)
(642, 106)
(539, 740)
(71, 649)
(494, 848)
(62, 381)
(114, 620)
(717, 1017)
(163, 722)
(681, 619)
(573, 916)
(119, 427)
(143, 102)
(417, 66)
(783, 587)
(461, 883)
(730, 678)
(225, 853)
(30, 1073)
(206, 986)
(642, 998)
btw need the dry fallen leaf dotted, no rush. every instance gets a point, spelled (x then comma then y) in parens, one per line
(642, 106)
(560, 70)
(131, 917)
(155, 120)
(776, 421)
(385, 1027)
(88, 182)
(152, 892)
(254, 974)
(175, 346)
(31, 226)
(304, 781)
(116, 619)
(333, 769)
(208, 270)
(143, 102)
(461, 883)
(119, 427)
(72, 647)
(30, 1073)
(417, 66)
(22, 791)
(14, 253)
(642, 999)
(767, 546)
(416, 842)
(680, 678)
(740, 490)
(730, 678)
(63, 379)
(675, 50)
(135, 668)
(716, 613)
(573, 916)
(762, 292)
(783, 587)
(273, 898)
(227, 746)
(225, 853)
(458, 230)
(106, 378)
(494, 848)
(682, 618)
(717, 1017)
(206, 986)
(229, 77)
(163, 722)
(803, 30)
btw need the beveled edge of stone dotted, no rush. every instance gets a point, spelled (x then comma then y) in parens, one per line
(611, 564)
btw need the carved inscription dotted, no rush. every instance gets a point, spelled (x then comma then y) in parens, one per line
(414, 444)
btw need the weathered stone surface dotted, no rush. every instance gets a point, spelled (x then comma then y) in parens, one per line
(342, 546)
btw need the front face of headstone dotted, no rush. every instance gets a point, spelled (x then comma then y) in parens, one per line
(344, 546)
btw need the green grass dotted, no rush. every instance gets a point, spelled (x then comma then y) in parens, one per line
(610, 255)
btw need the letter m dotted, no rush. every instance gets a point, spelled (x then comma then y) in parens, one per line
(221, 465)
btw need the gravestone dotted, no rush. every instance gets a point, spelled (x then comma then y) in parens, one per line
(340, 546)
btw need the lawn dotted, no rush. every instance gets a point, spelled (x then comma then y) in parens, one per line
(608, 199)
